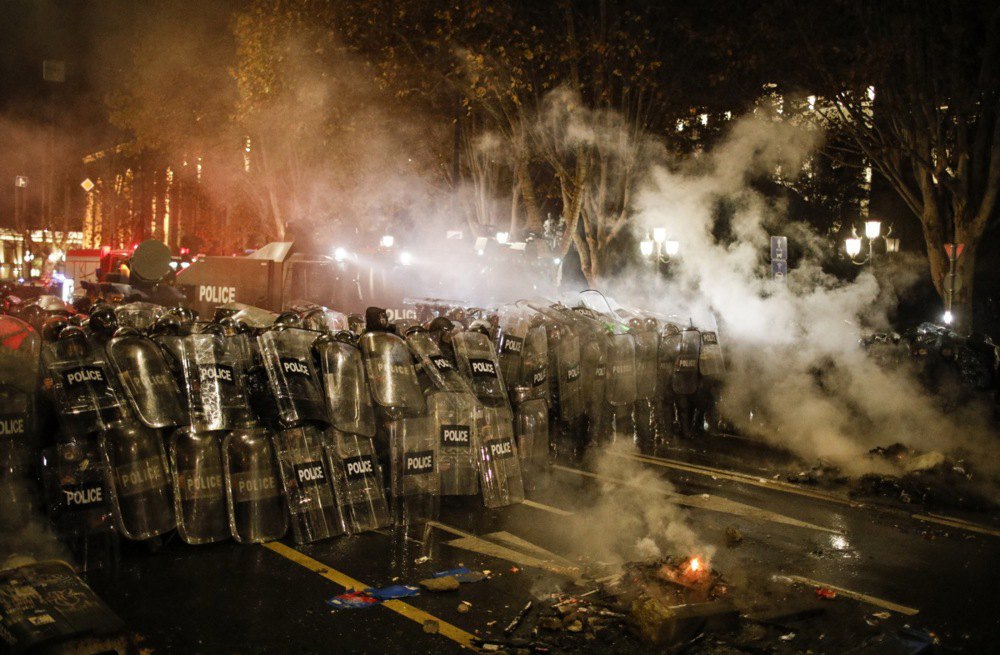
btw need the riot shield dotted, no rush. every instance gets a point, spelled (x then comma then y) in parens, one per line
(391, 376)
(307, 484)
(287, 357)
(343, 375)
(514, 326)
(477, 360)
(253, 494)
(199, 493)
(357, 478)
(500, 464)
(20, 348)
(535, 363)
(415, 480)
(138, 315)
(531, 427)
(593, 373)
(212, 378)
(710, 361)
(454, 421)
(646, 348)
(139, 480)
(685, 377)
(438, 368)
(322, 319)
(79, 380)
(567, 358)
(147, 380)
(621, 384)
(79, 500)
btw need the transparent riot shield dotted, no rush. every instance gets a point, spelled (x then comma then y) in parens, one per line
(531, 428)
(514, 325)
(477, 361)
(138, 315)
(621, 380)
(322, 319)
(138, 480)
(257, 511)
(78, 498)
(17, 459)
(454, 421)
(198, 484)
(710, 361)
(307, 484)
(357, 478)
(213, 381)
(79, 380)
(343, 375)
(391, 376)
(500, 464)
(147, 380)
(568, 377)
(646, 348)
(287, 357)
(438, 368)
(594, 375)
(685, 377)
(415, 479)
(535, 363)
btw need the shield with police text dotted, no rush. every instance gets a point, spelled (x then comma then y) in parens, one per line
(477, 360)
(685, 377)
(288, 359)
(199, 489)
(79, 381)
(212, 376)
(308, 487)
(454, 420)
(499, 462)
(149, 385)
(349, 403)
(138, 480)
(415, 475)
(710, 361)
(253, 491)
(391, 376)
(357, 480)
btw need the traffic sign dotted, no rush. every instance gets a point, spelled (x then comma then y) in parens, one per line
(779, 249)
(87, 185)
(954, 250)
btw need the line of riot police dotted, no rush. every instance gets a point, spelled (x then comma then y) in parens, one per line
(255, 424)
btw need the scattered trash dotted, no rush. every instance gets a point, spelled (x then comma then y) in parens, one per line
(431, 627)
(734, 537)
(353, 600)
(464, 607)
(787, 637)
(514, 569)
(451, 572)
(422, 560)
(445, 583)
(826, 593)
(516, 621)
(394, 591)
(882, 615)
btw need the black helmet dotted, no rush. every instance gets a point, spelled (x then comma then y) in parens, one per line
(440, 324)
(82, 304)
(80, 319)
(635, 324)
(168, 324)
(72, 333)
(103, 319)
(651, 325)
(413, 329)
(376, 320)
(222, 313)
(480, 326)
(288, 319)
(52, 326)
(183, 314)
(126, 332)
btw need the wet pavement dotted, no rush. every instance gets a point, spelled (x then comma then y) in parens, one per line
(932, 572)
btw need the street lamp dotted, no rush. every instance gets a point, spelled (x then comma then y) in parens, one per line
(659, 246)
(873, 231)
(387, 241)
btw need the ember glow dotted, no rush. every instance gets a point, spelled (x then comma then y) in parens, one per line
(695, 564)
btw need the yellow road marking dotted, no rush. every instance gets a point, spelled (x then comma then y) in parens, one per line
(712, 503)
(957, 523)
(414, 614)
(546, 508)
(856, 595)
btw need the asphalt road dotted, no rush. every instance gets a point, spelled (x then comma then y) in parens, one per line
(926, 571)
